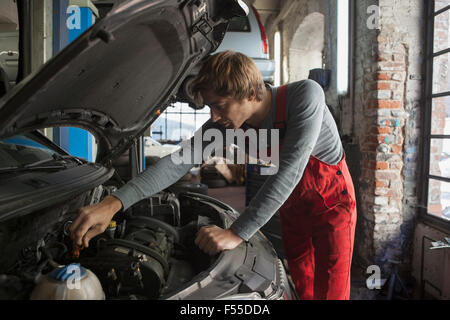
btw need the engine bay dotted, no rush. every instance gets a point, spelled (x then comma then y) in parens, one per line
(147, 252)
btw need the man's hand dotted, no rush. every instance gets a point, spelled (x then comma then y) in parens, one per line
(213, 239)
(93, 220)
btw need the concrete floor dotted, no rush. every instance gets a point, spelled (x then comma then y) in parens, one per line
(234, 196)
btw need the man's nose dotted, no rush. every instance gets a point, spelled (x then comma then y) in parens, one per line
(214, 116)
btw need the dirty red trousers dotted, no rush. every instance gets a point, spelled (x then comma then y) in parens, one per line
(318, 225)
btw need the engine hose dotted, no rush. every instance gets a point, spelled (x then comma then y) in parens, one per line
(152, 222)
(133, 245)
(49, 256)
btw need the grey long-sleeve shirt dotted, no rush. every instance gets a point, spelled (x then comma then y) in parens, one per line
(310, 130)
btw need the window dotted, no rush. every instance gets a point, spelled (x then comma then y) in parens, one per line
(277, 58)
(436, 189)
(77, 142)
(239, 24)
(343, 38)
(21, 150)
(9, 45)
(178, 122)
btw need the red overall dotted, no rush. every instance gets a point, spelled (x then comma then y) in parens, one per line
(318, 224)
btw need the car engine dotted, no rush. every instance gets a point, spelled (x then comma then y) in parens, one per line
(143, 254)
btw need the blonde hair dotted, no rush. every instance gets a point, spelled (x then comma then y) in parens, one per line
(232, 74)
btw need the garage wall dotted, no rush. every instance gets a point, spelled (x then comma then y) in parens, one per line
(383, 121)
(306, 27)
(388, 106)
(301, 52)
(305, 51)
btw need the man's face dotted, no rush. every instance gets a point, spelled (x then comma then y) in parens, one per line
(227, 111)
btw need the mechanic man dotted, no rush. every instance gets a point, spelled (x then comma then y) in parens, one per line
(312, 189)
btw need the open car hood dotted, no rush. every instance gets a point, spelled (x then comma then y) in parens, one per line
(118, 76)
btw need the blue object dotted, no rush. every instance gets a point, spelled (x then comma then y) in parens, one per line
(64, 273)
(60, 31)
(24, 141)
(77, 142)
(86, 19)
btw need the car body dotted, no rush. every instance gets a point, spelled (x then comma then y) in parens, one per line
(156, 149)
(148, 251)
(248, 36)
(9, 55)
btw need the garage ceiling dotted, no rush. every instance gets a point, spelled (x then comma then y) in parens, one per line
(8, 12)
(267, 5)
(266, 8)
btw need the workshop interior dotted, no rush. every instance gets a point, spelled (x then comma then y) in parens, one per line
(95, 92)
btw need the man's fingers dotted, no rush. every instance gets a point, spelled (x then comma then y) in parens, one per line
(211, 248)
(81, 230)
(198, 237)
(207, 243)
(90, 234)
(201, 235)
(73, 227)
(205, 239)
(205, 246)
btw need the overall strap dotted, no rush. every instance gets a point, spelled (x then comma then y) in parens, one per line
(280, 122)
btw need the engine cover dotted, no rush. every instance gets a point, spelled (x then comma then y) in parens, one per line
(137, 264)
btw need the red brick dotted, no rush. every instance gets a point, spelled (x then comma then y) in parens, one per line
(389, 104)
(382, 165)
(384, 130)
(382, 86)
(375, 131)
(384, 104)
(381, 139)
(383, 76)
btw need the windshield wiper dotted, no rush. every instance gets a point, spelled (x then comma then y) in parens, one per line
(35, 168)
(41, 164)
(55, 157)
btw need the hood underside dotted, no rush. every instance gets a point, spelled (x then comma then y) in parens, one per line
(116, 78)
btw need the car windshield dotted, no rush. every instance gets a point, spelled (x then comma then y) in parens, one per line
(19, 151)
(239, 24)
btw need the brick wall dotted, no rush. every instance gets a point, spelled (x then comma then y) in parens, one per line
(388, 106)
